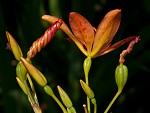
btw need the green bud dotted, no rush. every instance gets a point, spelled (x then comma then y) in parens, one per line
(48, 90)
(87, 90)
(64, 97)
(34, 72)
(21, 71)
(21, 84)
(87, 65)
(93, 100)
(121, 75)
(14, 47)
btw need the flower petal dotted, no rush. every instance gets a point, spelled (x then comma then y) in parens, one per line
(106, 30)
(115, 46)
(82, 29)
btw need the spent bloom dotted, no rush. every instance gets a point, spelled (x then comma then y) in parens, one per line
(93, 42)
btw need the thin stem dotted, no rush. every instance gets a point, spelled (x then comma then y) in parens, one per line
(29, 93)
(95, 108)
(87, 66)
(60, 104)
(88, 100)
(34, 105)
(85, 109)
(113, 100)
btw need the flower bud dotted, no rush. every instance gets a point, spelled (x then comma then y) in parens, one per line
(14, 47)
(34, 72)
(121, 75)
(87, 90)
(48, 90)
(21, 71)
(87, 65)
(64, 97)
(21, 84)
(93, 100)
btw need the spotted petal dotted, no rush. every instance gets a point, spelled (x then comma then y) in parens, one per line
(106, 30)
(82, 29)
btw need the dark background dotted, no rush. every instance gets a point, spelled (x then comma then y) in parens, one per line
(61, 61)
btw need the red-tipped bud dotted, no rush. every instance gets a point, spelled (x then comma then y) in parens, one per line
(15, 48)
(44, 40)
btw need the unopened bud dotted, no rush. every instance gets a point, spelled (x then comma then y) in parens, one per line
(87, 90)
(87, 65)
(15, 48)
(48, 90)
(121, 75)
(64, 97)
(21, 84)
(34, 72)
(21, 71)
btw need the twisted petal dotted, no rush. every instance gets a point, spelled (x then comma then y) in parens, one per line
(106, 30)
(64, 27)
(82, 29)
(45, 39)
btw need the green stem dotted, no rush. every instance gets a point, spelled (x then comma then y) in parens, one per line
(88, 100)
(59, 103)
(87, 66)
(95, 108)
(113, 100)
(34, 105)
(29, 93)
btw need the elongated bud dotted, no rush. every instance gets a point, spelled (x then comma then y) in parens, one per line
(34, 72)
(48, 90)
(22, 86)
(15, 48)
(87, 90)
(87, 65)
(44, 40)
(121, 75)
(21, 71)
(64, 97)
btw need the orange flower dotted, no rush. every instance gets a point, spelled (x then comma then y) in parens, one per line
(92, 42)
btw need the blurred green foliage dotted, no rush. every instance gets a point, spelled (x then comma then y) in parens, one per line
(61, 61)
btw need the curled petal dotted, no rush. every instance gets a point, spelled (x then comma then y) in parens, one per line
(115, 46)
(106, 30)
(82, 29)
(128, 50)
(44, 40)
